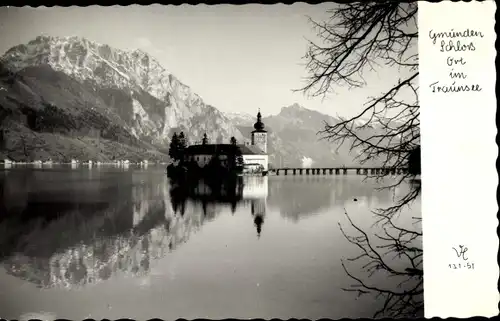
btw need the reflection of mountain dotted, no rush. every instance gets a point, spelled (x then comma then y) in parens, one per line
(129, 227)
(94, 227)
(83, 243)
(312, 194)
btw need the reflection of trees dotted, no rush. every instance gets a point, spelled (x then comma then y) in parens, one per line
(208, 192)
(378, 254)
(12, 183)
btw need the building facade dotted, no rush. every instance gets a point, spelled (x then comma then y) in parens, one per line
(254, 159)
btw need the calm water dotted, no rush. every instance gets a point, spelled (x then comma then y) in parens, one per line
(111, 243)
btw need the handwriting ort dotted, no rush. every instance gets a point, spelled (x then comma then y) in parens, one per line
(450, 61)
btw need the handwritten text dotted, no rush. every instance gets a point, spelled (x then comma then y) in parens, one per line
(452, 43)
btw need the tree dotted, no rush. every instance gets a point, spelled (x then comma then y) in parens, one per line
(182, 145)
(233, 140)
(204, 141)
(240, 162)
(368, 36)
(2, 139)
(173, 151)
(414, 162)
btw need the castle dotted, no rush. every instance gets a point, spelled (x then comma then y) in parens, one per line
(254, 155)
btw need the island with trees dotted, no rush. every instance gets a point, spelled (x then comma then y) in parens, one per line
(210, 163)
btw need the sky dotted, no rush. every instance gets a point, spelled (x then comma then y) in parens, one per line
(237, 58)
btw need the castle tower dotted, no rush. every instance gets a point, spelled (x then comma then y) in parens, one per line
(259, 135)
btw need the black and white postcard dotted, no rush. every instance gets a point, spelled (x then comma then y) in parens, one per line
(332, 160)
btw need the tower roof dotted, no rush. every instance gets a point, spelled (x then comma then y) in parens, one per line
(259, 125)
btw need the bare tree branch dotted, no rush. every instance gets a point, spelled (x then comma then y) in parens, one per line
(398, 244)
(361, 37)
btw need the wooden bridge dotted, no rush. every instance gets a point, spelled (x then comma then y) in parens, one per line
(340, 170)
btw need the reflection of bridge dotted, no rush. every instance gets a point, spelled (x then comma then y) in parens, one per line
(343, 170)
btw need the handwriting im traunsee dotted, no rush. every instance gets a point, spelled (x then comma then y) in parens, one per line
(467, 33)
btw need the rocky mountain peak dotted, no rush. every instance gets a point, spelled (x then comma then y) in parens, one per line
(132, 84)
(88, 60)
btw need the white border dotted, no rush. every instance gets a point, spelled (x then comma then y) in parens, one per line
(459, 177)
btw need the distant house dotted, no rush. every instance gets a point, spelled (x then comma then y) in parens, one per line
(254, 154)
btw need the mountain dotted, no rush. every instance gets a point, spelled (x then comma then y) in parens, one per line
(68, 97)
(64, 98)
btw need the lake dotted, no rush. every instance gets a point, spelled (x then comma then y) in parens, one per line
(112, 243)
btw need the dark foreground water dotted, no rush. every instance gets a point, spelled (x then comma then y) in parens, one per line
(111, 243)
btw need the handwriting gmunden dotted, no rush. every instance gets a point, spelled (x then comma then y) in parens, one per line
(453, 88)
(467, 33)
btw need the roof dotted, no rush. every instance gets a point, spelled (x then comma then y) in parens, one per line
(259, 125)
(212, 149)
(251, 150)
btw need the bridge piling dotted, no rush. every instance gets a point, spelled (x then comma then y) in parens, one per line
(337, 171)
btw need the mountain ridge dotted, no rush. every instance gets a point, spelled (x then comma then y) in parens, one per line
(132, 88)
(70, 94)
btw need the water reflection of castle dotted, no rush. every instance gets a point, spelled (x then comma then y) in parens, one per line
(75, 248)
(256, 190)
(249, 190)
